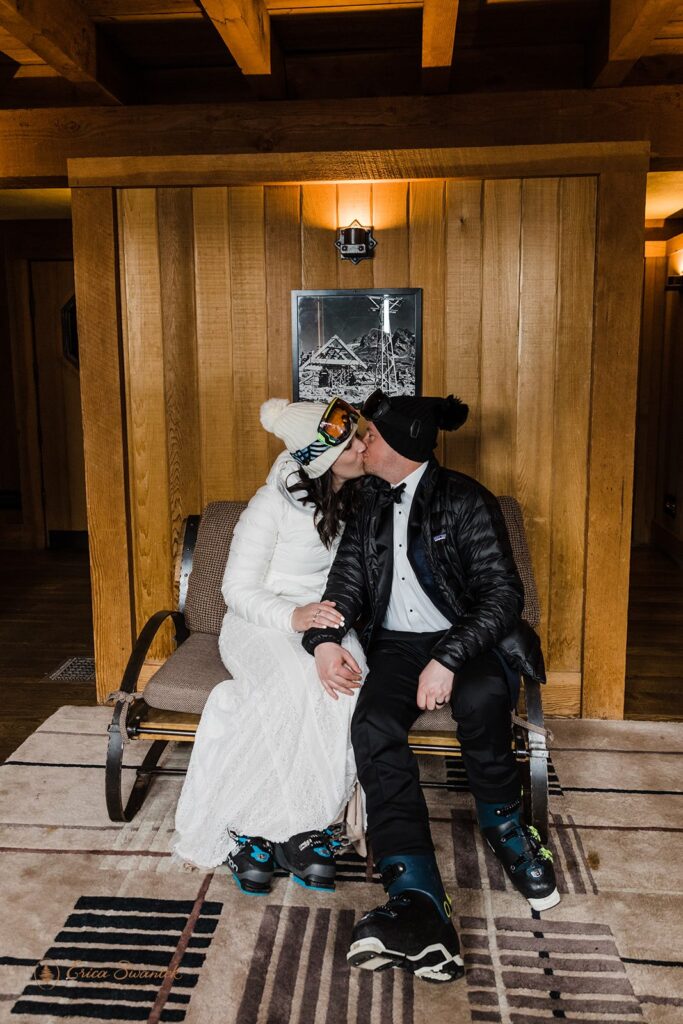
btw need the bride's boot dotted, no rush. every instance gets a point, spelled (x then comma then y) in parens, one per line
(309, 857)
(252, 864)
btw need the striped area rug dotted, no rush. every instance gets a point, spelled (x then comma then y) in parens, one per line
(100, 924)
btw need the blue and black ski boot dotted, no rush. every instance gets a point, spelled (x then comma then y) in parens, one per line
(526, 861)
(413, 930)
(252, 864)
(309, 858)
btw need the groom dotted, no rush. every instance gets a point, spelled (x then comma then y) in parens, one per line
(427, 562)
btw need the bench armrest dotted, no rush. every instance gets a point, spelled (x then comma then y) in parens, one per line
(144, 642)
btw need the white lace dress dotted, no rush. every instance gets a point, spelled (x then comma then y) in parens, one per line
(272, 755)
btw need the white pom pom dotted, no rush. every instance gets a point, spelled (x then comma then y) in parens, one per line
(270, 412)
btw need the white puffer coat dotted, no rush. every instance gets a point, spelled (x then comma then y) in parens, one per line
(277, 561)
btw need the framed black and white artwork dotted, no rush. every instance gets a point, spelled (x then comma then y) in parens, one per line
(350, 341)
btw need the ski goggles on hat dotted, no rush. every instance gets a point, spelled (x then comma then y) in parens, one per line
(378, 405)
(336, 426)
(375, 405)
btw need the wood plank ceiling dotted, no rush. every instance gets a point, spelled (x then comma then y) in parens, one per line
(70, 52)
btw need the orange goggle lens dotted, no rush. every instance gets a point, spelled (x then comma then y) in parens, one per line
(337, 421)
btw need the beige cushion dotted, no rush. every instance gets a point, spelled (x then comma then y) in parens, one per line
(184, 682)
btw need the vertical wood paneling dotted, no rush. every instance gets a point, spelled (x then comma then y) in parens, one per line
(670, 401)
(506, 268)
(391, 262)
(250, 345)
(354, 202)
(176, 259)
(427, 266)
(217, 453)
(105, 443)
(59, 400)
(283, 274)
(462, 371)
(573, 345)
(499, 332)
(619, 256)
(319, 257)
(672, 466)
(26, 399)
(146, 408)
(536, 374)
(649, 399)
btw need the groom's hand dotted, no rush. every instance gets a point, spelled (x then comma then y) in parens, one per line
(435, 685)
(339, 672)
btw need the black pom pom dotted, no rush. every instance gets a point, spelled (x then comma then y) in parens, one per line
(451, 413)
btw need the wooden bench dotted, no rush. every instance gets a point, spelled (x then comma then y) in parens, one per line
(169, 707)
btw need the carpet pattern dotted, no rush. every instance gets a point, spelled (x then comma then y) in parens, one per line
(104, 926)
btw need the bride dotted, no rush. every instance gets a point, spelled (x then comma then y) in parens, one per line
(272, 765)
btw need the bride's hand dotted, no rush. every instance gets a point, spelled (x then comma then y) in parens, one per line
(317, 614)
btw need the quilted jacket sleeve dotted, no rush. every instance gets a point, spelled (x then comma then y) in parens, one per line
(345, 586)
(494, 593)
(250, 555)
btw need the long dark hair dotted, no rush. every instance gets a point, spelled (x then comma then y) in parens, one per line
(332, 508)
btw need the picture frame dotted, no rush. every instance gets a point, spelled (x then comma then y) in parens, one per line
(350, 341)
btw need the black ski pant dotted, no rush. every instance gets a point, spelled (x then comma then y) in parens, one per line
(386, 709)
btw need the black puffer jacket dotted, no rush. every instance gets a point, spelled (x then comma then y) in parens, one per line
(459, 548)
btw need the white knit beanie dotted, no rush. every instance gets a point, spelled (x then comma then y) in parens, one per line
(297, 424)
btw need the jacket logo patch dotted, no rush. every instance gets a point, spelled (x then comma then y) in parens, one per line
(440, 536)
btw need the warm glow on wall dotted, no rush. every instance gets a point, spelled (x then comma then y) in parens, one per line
(334, 204)
(676, 262)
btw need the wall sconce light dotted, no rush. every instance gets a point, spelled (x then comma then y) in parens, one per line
(355, 242)
(674, 283)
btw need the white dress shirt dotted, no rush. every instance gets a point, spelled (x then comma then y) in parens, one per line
(409, 608)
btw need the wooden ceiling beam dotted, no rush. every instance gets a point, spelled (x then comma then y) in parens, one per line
(62, 35)
(633, 25)
(38, 143)
(438, 37)
(338, 6)
(244, 27)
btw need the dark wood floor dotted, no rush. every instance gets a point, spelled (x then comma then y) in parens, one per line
(46, 618)
(654, 655)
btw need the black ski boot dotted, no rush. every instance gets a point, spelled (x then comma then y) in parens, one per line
(252, 864)
(309, 858)
(413, 930)
(527, 863)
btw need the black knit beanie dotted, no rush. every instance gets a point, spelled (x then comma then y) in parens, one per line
(411, 425)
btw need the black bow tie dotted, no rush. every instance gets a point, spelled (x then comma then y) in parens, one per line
(392, 494)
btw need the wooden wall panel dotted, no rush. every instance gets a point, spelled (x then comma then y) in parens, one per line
(249, 331)
(18, 277)
(536, 374)
(464, 278)
(618, 285)
(647, 500)
(59, 399)
(216, 455)
(427, 236)
(573, 351)
(105, 438)
(283, 275)
(177, 281)
(501, 227)
(146, 409)
(391, 262)
(507, 269)
(319, 258)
